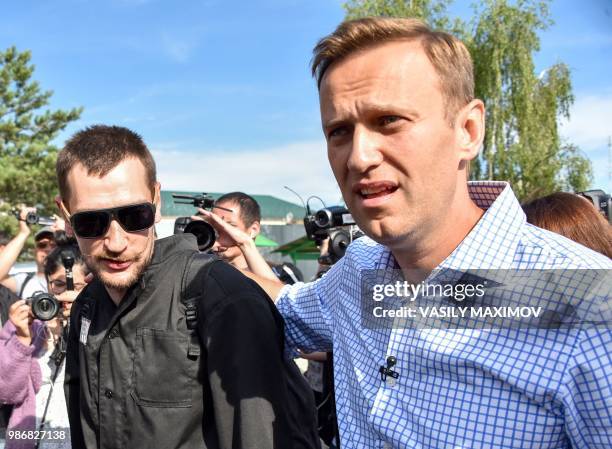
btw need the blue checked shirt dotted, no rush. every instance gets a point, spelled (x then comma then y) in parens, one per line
(460, 388)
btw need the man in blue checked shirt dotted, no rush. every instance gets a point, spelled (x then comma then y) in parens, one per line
(402, 124)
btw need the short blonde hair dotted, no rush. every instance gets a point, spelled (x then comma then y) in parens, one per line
(448, 55)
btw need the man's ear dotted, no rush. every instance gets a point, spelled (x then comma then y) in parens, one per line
(157, 202)
(254, 229)
(63, 210)
(470, 127)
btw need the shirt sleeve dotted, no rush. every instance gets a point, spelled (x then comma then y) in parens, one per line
(18, 367)
(19, 279)
(307, 309)
(588, 395)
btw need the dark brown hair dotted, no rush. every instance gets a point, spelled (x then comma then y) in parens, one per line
(448, 55)
(99, 149)
(249, 208)
(573, 217)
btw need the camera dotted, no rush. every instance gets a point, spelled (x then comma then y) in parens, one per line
(204, 232)
(601, 200)
(335, 222)
(318, 224)
(33, 218)
(44, 306)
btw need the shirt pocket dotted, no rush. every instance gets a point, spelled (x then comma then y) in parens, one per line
(164, 376)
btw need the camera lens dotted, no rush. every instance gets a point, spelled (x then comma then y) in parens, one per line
(204, 232)
(323, 218)
(31, 218)
(44, 306)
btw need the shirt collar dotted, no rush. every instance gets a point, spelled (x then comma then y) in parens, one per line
(167, 246)
(162, 249)
(500, 228)
(494, 241)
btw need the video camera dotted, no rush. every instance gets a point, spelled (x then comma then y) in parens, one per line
(204, 232)
(601, 200)
(335, 222)
(33, 218)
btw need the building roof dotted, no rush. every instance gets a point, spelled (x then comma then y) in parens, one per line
(272, 208)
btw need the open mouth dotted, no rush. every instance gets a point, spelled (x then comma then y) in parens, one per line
(376, 190)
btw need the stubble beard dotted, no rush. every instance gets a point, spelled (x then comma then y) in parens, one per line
(111, 281)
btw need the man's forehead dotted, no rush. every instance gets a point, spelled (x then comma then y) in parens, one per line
(126, 183)
(401, 53)
(131, 165)
(229, 204)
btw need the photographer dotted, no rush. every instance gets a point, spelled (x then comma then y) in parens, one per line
(25, 285)
(237, 232)
(31, 359)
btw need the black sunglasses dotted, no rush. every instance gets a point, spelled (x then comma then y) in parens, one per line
(94, 223)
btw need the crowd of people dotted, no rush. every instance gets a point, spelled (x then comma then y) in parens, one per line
(158, 345)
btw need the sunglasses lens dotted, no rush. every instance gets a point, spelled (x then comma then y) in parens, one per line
(90, 224)
(137, 217)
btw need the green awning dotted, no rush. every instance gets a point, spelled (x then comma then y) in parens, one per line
(263, 241)
(300, 249)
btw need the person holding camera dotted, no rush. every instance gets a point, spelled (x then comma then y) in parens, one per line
(32, 348)
(236, 219)
(402, 124)
(169, 347)
(25, 285)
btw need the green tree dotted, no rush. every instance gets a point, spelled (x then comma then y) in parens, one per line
(522, 143)
(27, 155)
(431, 11)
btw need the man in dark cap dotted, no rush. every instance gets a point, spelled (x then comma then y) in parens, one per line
(26, 284)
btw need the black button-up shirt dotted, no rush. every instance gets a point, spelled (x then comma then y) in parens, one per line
(131, 381)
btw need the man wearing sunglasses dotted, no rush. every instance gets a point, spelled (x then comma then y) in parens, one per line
(25, 285)
(135, 375)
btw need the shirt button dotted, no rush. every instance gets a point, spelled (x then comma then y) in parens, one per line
(387, 446)
(108, 393)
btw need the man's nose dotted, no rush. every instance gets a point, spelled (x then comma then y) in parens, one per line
(365, 151)
(115, 239)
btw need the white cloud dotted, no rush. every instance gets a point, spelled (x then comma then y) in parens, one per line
(589, 125)
(303, 166)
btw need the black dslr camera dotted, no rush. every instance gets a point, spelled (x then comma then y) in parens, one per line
(204, 232)
(44, 306)
(335, 222)
(601, 200)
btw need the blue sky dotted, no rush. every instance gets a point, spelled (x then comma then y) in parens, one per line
(222, 89)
